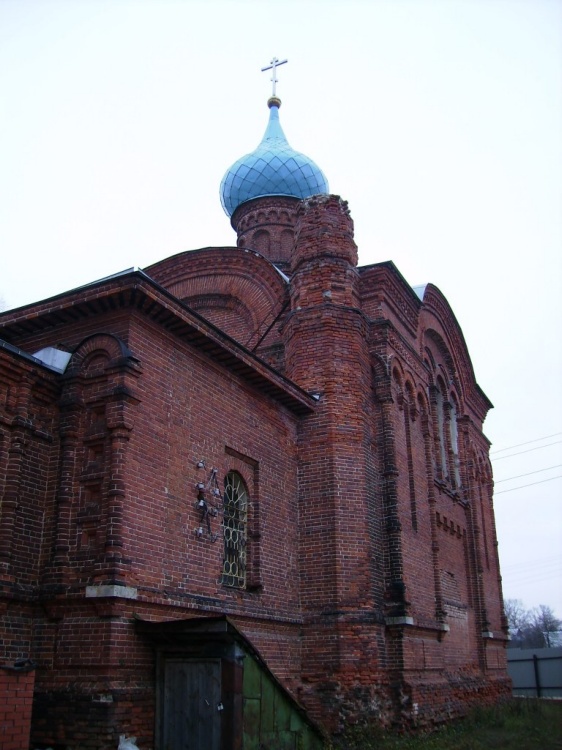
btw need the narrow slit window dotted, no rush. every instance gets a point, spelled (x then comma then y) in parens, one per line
(440, 403)
(454, 435)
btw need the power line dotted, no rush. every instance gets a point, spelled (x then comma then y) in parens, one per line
(531, 576)
(538, 448)
(515, 583)
(536, 440)
(527, 567)
(527, 572)
(534, 573)
(528, 485)
(525, 564)
(538, 471)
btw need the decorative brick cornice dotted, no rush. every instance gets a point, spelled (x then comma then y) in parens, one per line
(437, 315)
(136, 291)
(382, 285)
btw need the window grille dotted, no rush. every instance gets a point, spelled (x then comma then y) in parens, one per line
(235, 520)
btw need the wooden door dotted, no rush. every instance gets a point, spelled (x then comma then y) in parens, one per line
(191, 704)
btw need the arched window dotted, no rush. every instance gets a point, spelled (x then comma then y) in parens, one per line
(446, 411)
(409, 417)
(235, 524)
(440, 406)
(454, 438)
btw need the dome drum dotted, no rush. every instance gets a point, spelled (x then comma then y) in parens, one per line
(268, 226)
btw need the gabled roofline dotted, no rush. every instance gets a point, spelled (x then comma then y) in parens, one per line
(134, 288)
(394, 270)
(447, 318)
(422, 298)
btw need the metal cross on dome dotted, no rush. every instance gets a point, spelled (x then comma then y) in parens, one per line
(275, 63)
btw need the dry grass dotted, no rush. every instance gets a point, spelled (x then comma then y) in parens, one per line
(520, 724)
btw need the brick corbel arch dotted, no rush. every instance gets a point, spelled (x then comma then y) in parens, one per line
(105, 344)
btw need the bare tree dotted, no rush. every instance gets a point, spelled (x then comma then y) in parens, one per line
(531, 628)
(517, 616)
(545, 621)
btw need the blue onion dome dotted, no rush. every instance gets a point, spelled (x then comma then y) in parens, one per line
(274, 168)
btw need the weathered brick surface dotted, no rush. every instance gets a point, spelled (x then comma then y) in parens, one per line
(16, 700)
(373, 588)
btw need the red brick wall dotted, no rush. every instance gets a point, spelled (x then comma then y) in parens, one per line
(28, 463)
(185, 408)
(16, 700)
(374, 577)
(191, 410)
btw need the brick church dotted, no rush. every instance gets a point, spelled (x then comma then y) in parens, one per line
(246, 498)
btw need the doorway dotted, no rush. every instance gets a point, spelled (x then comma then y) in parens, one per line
(191, 705)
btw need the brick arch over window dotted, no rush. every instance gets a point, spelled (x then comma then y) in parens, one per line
(439, 330)
(447, 408)
(429, 363)
(397, 376)
(422, 402)
(442, 361)
(409, 389)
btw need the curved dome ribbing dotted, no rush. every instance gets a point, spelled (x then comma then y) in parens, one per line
(274, 168)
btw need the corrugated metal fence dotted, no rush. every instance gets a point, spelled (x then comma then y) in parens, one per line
(536, 672)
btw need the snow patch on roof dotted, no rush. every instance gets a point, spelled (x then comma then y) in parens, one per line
(420, 290)
(54, 358)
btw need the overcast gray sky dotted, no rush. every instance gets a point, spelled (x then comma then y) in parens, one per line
(439, 121)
